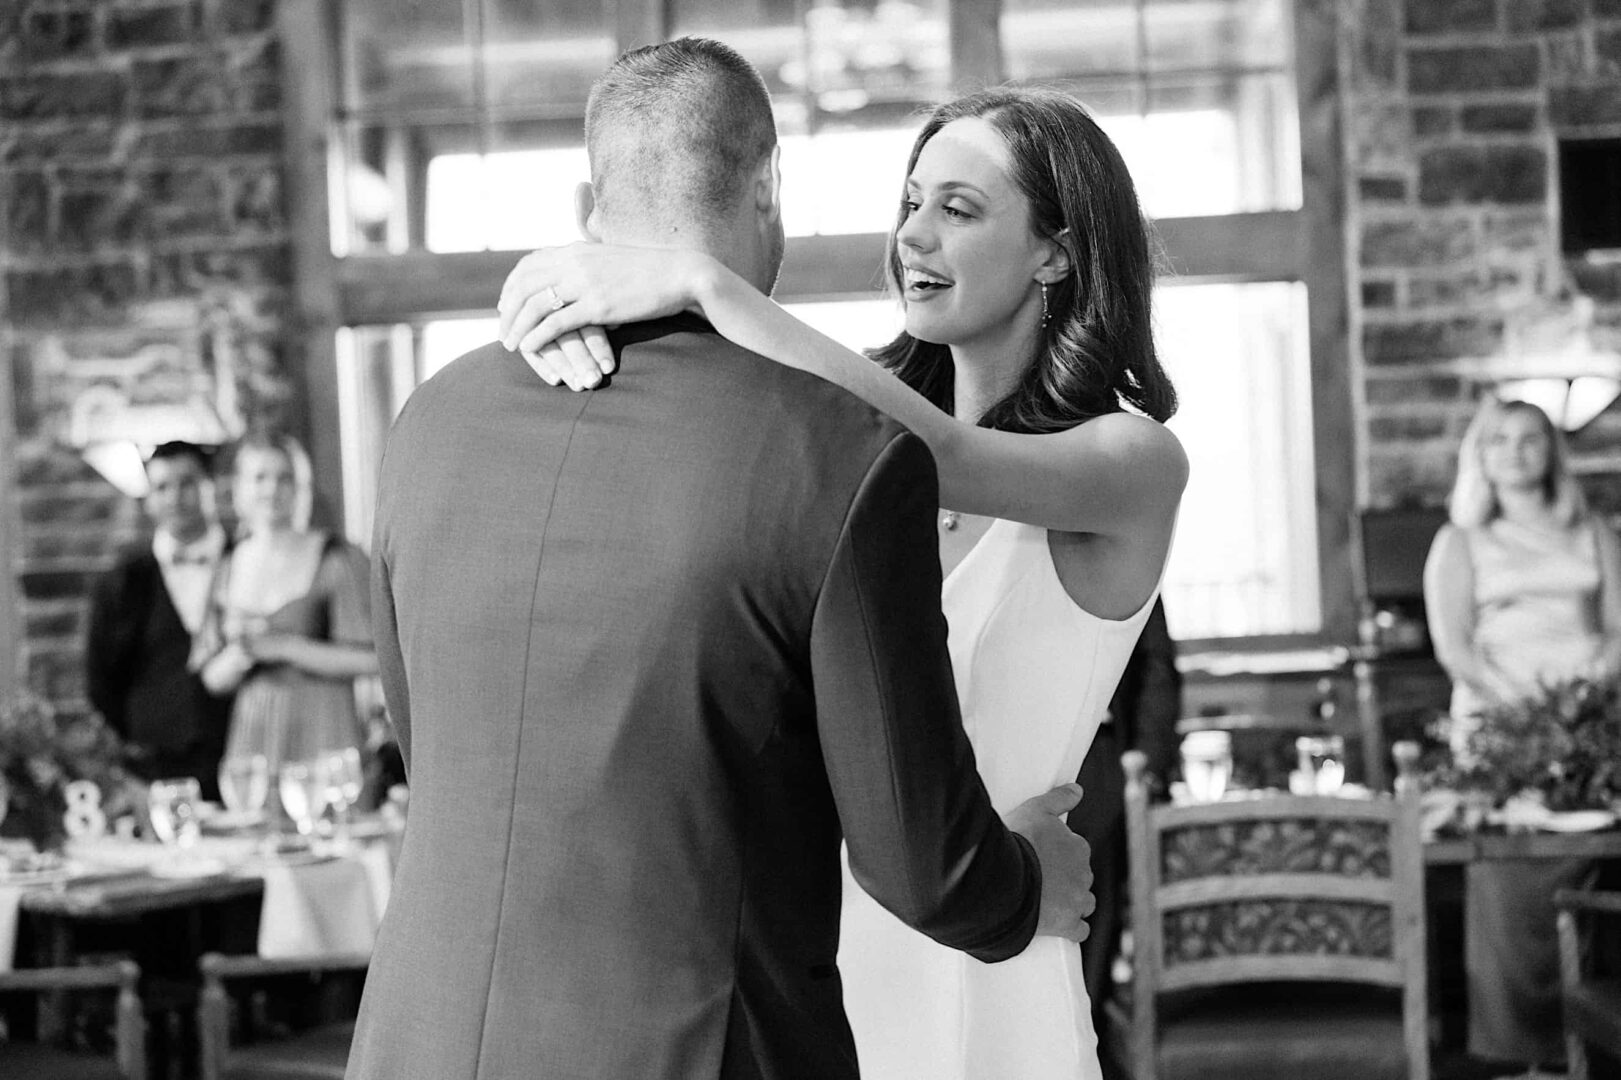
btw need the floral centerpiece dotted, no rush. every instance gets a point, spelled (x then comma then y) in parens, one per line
(42, 750)
(1562, 746)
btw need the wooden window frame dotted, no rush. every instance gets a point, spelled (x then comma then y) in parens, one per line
(1307, 245)
(10, 531)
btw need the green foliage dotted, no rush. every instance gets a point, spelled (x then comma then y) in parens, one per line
(1564, 743)
(42, 750)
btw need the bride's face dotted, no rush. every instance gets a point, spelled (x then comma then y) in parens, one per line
(967, 251)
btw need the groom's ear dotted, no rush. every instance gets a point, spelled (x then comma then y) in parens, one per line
(768, 184)
(585, 212)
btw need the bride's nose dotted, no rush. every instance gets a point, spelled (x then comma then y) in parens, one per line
(914, 233)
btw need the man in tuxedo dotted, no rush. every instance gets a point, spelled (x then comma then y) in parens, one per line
(143, 613)
(652, 653)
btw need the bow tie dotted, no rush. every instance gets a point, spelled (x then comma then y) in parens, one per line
(190, 556)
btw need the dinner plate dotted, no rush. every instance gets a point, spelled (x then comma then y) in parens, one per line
(1578, 820)
(226, 820)
(45, 876)
(187, 868)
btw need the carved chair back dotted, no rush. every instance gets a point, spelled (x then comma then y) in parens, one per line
(1277, 888)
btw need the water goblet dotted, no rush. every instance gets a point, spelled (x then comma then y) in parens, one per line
(1322, 761)
(245, 784)
(1207, 764)
(303, 788)
(172, 804)
(344, 779)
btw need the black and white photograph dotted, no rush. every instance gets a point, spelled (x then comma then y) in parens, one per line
(810, 539)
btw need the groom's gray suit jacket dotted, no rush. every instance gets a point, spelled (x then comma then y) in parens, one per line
(651, 652)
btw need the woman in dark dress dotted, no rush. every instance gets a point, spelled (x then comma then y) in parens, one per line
(289, 618)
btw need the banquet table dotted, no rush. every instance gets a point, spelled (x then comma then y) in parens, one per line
(1459, 850)
(1447, 858)
(327, 899)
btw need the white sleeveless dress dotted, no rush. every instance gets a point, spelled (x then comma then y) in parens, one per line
(1034, 674)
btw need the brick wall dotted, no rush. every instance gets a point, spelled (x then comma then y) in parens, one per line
(1456, 107)
(143, 256)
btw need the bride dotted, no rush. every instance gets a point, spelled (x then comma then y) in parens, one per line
(1027, 365)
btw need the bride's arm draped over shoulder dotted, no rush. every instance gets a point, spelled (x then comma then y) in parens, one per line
(1120, 474)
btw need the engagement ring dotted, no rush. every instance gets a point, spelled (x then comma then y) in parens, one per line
(557, 301)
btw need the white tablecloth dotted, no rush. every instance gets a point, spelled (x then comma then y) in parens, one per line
(312, 906)
(334, 906)
(11, 897)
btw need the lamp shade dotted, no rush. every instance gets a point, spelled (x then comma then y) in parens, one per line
(1570, 402)
(120, 464)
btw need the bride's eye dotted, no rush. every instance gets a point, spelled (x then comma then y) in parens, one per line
(909, 207)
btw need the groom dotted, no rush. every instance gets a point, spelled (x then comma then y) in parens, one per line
(652, 653)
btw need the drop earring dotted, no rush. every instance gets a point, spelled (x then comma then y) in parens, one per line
(1044, 313)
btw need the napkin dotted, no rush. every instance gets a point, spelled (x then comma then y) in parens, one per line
(11, 897)
(318, 908)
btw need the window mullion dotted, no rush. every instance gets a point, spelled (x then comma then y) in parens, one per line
(976, 44)
(640, 22)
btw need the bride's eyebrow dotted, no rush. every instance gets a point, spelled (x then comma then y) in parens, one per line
(949, 185)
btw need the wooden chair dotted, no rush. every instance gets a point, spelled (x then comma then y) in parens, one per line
(318, 1054)
(39, 1061)
(1592, 1000)
(1276, 936)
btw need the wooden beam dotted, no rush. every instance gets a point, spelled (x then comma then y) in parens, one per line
(1322, 153)
(639, 22)
(376, 289)
(414, 287)
(307, 29)
(976, 45)
(1268, 246)
(10, 534)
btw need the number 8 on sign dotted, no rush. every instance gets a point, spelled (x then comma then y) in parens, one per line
(84, 817)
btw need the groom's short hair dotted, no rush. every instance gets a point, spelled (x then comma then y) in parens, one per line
(674, 129)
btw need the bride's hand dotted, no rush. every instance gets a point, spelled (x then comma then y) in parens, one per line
(583, 287)
(579, 358)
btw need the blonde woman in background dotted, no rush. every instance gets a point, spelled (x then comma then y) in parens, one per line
(1524, 586)
(289, 618)
(1522, 589)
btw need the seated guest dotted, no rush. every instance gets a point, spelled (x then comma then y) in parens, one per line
(1523, 588)
(143, 615)
(1142, 716)
(288, 625)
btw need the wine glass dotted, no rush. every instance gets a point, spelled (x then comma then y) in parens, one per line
(343, 782)
(303, 787)
(245, 784)
(1207, 764)
(172, 804)
(1322, 761)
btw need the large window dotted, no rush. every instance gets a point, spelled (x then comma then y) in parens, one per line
(457, 142)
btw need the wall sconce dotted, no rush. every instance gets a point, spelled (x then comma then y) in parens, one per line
(120, 463)
(1571, 402)
(1556, 359)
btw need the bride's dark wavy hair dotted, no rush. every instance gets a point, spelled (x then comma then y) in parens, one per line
(1097, 349)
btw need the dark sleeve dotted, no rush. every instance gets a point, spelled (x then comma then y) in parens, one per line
(107, 659)
(1156, 702)
(386, 638)
(923, 838)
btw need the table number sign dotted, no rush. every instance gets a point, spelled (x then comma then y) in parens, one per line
(84, 818)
